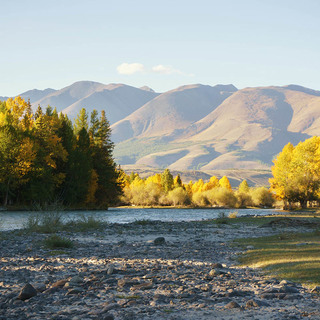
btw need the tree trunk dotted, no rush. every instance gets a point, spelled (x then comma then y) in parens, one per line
(303, 203)
(5, 202)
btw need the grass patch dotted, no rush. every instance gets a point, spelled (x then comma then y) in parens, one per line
(167, 311)
(222, 219)
(85, 224)
(55, 241)
(135, 149)
(57, 252)
(290, 256)
(52, 222)
(142, 222)
(272, 221)
(133, 297)
(44, 222)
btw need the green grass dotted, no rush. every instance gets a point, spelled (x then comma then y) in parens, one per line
(304, 219)
(136, 149)
(238, 221)
(85, 224)
(44, 222)
(52, 222)
(56, 252)
(54, 241)
(132, 297)
(290, 256)
(143, 222)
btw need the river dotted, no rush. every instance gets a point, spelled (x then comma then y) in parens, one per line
(10, 220)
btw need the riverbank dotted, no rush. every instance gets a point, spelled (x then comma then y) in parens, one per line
(148, 270)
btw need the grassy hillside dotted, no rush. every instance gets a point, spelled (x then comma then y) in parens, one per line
(131, 150)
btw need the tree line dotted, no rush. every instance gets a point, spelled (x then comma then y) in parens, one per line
(166, 190)
(44, 157)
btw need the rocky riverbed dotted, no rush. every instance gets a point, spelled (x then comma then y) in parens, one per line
(157, 270)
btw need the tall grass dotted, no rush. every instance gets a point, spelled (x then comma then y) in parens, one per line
(55, 241)
(85, 223)
(44, 222)
(52, 222)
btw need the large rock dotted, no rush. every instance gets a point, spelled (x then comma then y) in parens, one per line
(75, 281)
(27, 292)
(232, 305)
(254, 303)
(59, 283)
(288, 289)
(159, 241)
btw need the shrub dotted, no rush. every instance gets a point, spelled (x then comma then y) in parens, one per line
(55, 241)
(143, 194)
(136, 194)
(211, 196)
(200, 199)
(152, 193)
(222, 197)
(262, 197)
(178, 196)
(85, 223)
(143, 222)
(243, 199)
(233, 215)
(222, 219)
(46, 222)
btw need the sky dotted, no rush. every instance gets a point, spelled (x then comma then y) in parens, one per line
(161, 44)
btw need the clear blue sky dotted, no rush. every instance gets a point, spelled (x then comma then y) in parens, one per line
(162, 44)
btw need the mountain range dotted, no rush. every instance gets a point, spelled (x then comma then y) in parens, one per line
(194, 127)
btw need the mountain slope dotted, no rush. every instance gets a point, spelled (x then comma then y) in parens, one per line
(118, 100)
(246, 131)
(194, 126)
(36, 95)
(171, 112)
(63, 98)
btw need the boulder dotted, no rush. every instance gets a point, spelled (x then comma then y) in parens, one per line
(159, 241)
(27, 292)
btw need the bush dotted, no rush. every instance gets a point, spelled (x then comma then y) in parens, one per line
(233, 215)
(222, 219)
(152, 193)
(178, 196)
(143, 194)
(143, 222)
(244, 199)
(85, 224)
(200, 199)
(222, 197)
(262, 197)
(56, 241)
(45, 222)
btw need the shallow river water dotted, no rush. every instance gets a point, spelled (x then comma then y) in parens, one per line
(17, 219)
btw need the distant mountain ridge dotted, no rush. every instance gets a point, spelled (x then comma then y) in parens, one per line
(194, 127)
(171, 111)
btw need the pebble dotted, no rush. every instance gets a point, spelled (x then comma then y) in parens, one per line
(140, 274)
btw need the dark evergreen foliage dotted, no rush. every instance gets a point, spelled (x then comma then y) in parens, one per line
(44, 158)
